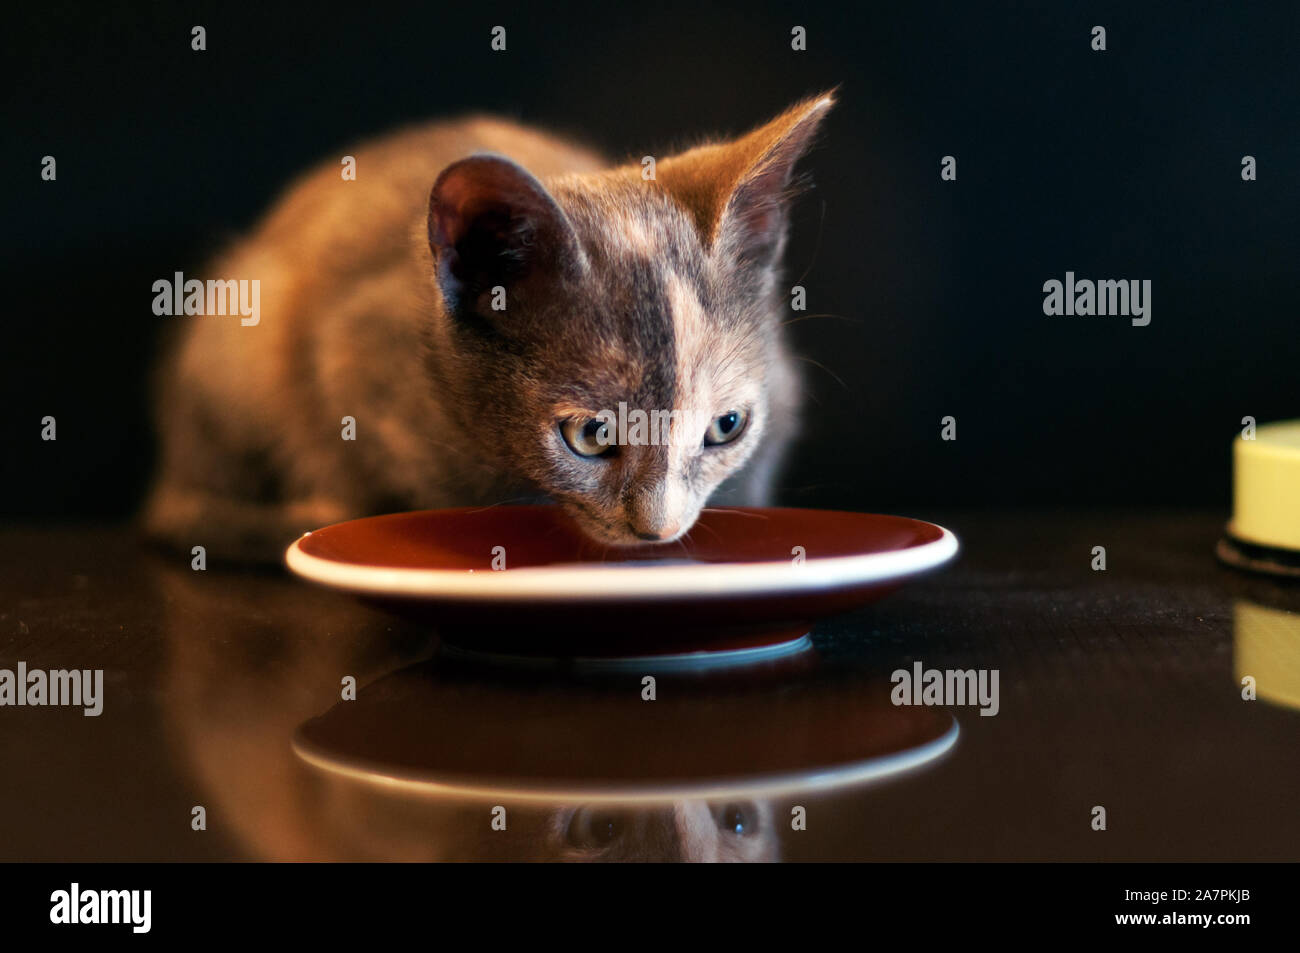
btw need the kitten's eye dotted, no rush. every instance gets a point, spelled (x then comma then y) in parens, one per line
(726, 428)
(591, 829)
(587, 436)
(738, 819)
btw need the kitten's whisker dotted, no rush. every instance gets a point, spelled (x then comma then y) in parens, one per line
(716, 509)
(703, 526)
(805, 317)
(821, 225)
(491, 506)
(815, 363)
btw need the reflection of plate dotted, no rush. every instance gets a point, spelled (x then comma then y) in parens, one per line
(420, 731)
(742, 577)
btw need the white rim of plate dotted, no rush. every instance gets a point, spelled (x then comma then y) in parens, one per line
(612, 582)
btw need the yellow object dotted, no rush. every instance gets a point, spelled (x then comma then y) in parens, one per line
(1266, 486)
(1267, 645)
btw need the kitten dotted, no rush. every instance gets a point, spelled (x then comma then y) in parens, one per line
(473, 301)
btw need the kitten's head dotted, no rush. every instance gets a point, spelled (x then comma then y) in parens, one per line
(614, 338)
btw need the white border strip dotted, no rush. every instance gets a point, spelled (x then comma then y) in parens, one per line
(612, 582)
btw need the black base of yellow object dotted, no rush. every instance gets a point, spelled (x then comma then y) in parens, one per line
(1253, 557)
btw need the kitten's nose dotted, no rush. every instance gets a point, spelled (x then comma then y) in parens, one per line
(659, 534)
(654, 510)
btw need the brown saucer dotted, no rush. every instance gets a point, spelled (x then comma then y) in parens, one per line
(523, 580)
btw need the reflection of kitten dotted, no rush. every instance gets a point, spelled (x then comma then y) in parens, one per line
(695, 831)
(229, 706)
(382, 302)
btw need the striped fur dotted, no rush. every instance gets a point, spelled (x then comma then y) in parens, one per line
(658, 293)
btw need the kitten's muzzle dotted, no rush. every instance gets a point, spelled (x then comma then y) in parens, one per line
(657, 535)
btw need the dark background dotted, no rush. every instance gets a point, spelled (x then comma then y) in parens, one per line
(1122, 164)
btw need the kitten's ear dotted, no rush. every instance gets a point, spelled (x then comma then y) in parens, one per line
(739, 191)
(491, 223)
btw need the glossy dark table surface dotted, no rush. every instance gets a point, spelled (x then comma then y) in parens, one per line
(1119, 688)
